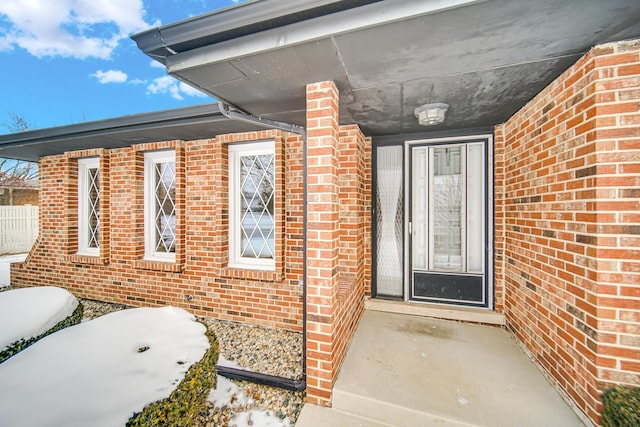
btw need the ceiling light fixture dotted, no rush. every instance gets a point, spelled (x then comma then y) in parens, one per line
(431, 114)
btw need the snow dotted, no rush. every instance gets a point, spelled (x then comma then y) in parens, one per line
(5, 264)
(27, 313)
(223, 361)
(229, 394)
(98, 373)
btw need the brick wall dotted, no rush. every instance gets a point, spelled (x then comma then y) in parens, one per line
(338, 232)
(338, 246)
(568, 224)
(120, 275)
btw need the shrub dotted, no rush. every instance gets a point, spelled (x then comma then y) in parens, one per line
(621, 407)
(21, 344)
(181, 408)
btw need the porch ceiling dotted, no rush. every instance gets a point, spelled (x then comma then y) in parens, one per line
(485, 58)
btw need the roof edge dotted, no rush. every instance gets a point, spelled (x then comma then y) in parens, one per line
(234, 21)
(108, 125)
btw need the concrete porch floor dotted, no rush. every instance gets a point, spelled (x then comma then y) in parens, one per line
(405, 370)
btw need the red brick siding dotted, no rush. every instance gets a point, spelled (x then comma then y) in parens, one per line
(120, 275)
(338, 232)
(323, 239)
(567, 174)
(499, 219)
(338, 244)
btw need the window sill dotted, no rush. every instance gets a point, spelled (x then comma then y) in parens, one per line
(168, 266)
(247, 273)
(87, 259)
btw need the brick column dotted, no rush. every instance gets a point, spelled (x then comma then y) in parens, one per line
(323, 242)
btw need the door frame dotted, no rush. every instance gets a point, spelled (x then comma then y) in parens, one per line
(488, 276)
(406, 141)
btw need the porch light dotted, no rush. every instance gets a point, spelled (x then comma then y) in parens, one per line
(431, 114)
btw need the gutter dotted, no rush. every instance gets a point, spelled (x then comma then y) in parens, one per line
(238, 374)
(258, 378)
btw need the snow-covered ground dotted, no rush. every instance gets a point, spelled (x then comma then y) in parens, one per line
(30, 312)
(5, 262)
(100, 372)
(227, 393)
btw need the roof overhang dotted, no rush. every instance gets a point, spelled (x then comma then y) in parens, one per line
(190, 123)
(485, 58)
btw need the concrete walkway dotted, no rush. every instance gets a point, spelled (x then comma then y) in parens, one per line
(404, 370)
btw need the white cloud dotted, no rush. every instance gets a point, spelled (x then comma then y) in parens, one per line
(110, 76)
(173, 87)
(137, 81)
(70, 28)
(166, 84)
(156, 64)
(190, 91)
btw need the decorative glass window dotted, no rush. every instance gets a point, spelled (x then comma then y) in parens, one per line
(89, 206)
(251, 205)
(160, 205)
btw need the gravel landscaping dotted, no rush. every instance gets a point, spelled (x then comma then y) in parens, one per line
(259, 349)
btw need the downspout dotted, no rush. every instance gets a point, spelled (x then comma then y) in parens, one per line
(239, 374)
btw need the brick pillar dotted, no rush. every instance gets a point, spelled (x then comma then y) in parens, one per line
(323, 239)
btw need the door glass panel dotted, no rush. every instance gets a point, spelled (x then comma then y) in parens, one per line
(447, 208)
(475, 208)
(419, 205)
(389, 221)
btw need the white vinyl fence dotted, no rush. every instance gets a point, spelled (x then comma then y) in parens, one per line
(18, 228)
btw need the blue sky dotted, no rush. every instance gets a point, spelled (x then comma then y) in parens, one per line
(71, 61)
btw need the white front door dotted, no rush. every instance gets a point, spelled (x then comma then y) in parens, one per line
(447, 222)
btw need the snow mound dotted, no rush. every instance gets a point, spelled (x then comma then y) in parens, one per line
(101, 372)
(30, 312)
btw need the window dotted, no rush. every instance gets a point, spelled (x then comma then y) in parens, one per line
(160, 205)
(251, 205)
(89, 206)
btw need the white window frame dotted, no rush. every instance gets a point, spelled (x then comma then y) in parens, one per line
(236, 151)
(152, 158)
(84, 165)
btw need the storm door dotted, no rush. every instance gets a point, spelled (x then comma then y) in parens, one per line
(389, 222)
(447, 223)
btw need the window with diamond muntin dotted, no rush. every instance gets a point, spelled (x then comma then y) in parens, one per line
(160, 205)
(89, 206)
(252, 203)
